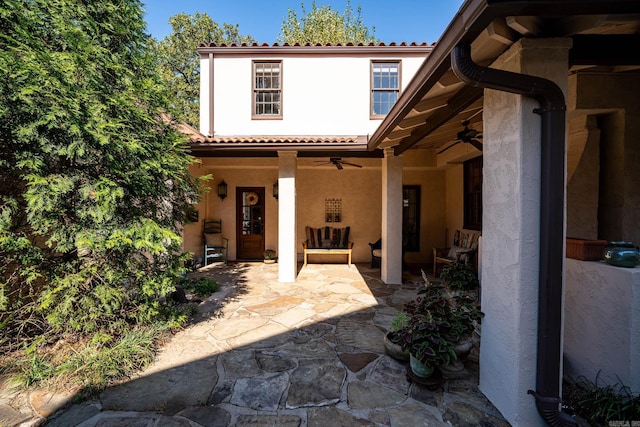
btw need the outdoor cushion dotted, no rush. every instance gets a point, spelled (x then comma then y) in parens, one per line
(464, 241)
(327, 237)
(453, 251)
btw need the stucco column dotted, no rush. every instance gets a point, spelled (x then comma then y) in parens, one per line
(511, 231)
(391, 266)
(287, 257)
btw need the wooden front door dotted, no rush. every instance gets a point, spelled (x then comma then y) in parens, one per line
(250, 222)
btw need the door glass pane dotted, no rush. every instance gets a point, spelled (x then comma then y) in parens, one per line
(252, 213)
(411, 218)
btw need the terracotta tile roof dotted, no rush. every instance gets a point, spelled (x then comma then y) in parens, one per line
(380, 44)
(252, 140)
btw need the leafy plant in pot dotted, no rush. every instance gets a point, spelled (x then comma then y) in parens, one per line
(459, 277)
(438, 322)
(460, 285)
(393, 341)
(427, 334)
(269, 256)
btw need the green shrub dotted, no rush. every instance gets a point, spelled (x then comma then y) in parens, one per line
(400, 319)
(94, 181)
(90, 364)
(459, 276)
(202, 286)
(599, 404)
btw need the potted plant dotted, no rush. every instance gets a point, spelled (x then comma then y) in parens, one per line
(460, 285)
(269, 256)
(393, 341)
(426, 333)
(439, 321)
(459, 277)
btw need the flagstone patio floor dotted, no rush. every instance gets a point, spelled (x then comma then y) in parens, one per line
(265, 353)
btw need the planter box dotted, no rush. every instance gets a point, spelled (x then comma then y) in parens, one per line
(585, 250)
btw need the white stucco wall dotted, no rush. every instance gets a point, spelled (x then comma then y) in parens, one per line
(321, 94)
(510, 245)
(602, 323)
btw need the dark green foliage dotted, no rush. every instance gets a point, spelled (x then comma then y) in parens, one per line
(202, 286)
(459, 276)
(179, 63)
(270, 254)
(93, 177)
(91, 364)
(598, 404)
(324, 25)
(399, 320)
(440, 318)
(426, 333)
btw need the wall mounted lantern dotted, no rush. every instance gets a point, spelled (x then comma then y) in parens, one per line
(276, 190)
(222, 190)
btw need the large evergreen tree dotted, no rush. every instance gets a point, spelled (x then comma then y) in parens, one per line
(93, 178)
(178, 61)
(324, 25)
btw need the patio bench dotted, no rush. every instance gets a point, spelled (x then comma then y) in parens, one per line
(327, 241)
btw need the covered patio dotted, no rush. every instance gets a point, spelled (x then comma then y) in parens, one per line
(522, 73)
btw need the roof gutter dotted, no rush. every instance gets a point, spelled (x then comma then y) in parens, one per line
(552, 110)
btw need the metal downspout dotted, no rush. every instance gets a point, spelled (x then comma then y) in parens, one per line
(552, 111)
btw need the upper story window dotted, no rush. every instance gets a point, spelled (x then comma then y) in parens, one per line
(267, 90)
(385, 86)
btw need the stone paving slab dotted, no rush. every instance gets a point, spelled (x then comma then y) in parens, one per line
(264, 353)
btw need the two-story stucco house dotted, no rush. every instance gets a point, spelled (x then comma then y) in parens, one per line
(277, 118)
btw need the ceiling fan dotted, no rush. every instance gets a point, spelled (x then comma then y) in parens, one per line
(468, 135)
(337, 162)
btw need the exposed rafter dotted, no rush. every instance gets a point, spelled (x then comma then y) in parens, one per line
(465, 97)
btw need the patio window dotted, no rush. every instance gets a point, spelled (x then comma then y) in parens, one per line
(267, 90)
(411, 218)
(473, 194)
(385, 87)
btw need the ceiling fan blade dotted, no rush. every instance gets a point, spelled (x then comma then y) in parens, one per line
(472, 133)
(476, 144)
(351, 164)
(446, 148)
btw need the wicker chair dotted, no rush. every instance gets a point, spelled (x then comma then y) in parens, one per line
(376, 253)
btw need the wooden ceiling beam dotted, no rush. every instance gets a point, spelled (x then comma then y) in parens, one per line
(528, 26)
(458, 102)
(427, 104)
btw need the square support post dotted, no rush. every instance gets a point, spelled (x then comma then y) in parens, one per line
(287, 255)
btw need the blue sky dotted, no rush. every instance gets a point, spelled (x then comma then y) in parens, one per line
(394, 21)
